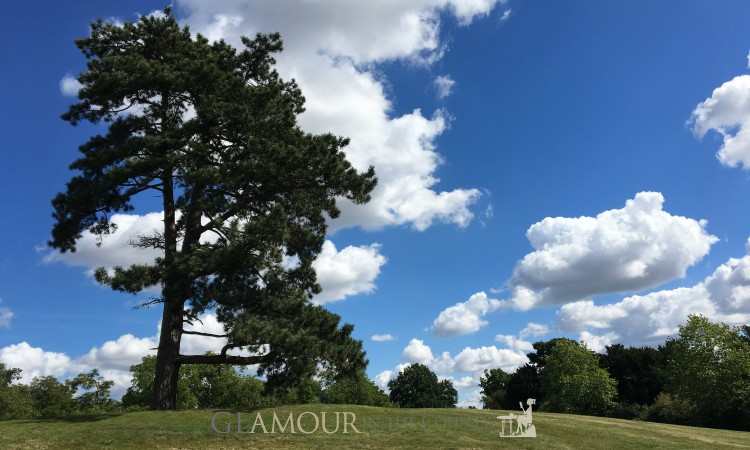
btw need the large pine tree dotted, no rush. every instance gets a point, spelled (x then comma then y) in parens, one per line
(245, 192)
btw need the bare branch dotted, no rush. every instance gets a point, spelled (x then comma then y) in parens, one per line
(221, 359)
(200, 333)
(153, 301)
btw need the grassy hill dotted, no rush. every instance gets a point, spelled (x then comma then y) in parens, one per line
(379, 427)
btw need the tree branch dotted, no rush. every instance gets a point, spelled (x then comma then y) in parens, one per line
(221, 359)
(200, 333)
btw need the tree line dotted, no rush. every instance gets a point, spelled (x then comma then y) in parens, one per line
(200, 386)
(700, 377)
(208, 386)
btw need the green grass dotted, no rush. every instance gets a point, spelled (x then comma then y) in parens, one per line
(379, 427)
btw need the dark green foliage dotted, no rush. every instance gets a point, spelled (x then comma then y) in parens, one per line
(523, 384)
(305, 390)
(494, 384)
(15, 400)
(708, 367)
(200, 386)
(356, 390)
(669, 409)
(418, 387)
(50, 398)
(637, 372)
(213, 132)
(573, 382)
(447, 395)
(526, 381)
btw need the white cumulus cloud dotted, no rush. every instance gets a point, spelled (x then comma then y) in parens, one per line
(649, 319)
(348, 272)
(633, 248)
(534, 330)
(465, 317)
(727, 112)
(34, 361)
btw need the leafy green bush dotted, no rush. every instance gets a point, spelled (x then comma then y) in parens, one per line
(357, 390)
(669, 409)
(50, 398)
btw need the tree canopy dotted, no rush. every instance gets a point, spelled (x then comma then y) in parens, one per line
(418, 387)
(494, 384)
(572, 380)
(245, 192)
(708, 365)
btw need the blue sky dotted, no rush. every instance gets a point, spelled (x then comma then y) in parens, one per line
(561, 109)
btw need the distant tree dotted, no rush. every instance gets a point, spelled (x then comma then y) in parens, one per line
(526, 382)
(15, 399)
(95, 395)
(523, 384)
(418, 387)
(50, 398)
(573, 382)
(637, 372)
(494, 383)
(709, 367)
(542, 349)
(212, 132)
(355, 390)
(448, 395)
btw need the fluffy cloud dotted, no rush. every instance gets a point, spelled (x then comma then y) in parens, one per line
(120, 354)
(727, 111)
(382, 338)
(597, 343)
(418, 352)
(632, 248)
(465, 317)
(341, 274)
(331, 47)
(382, 379)
(481, 358)
(534, 330)
(69, 86)
(444, 85)
(348, 272)
(649, 319)
(514, 343)
(34, 361)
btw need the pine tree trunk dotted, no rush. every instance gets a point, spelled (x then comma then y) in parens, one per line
(167, 365)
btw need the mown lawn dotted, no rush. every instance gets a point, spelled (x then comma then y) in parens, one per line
(379, 428)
